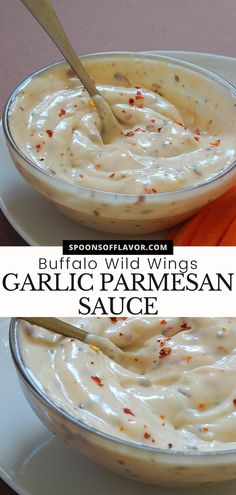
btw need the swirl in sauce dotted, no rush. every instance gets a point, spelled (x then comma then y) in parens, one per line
(182, 398)
(56, 124)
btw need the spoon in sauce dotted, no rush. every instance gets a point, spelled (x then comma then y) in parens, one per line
(96, 342)
(45, 14)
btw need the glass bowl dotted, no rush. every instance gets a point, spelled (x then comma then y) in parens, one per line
(131, 213)
(139, 462)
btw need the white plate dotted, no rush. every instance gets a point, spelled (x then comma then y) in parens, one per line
(34, 462)
(35, 218)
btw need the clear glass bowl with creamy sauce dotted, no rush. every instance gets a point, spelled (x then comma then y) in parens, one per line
(206, 101)
(137, 461)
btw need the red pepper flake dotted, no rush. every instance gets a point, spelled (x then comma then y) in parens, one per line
(112, 175)
(185, 326)
(153, 121)
(62, 112)
(170, 445)
(128, 411)
(164, 352)
(49, 132)
(141, 199)
(139, 96)
(38, 147)
(137, 87)
(221, 348)
(147, 435)
(234, 402)
(98, 165)
(97, 380)
(205, 429)
(188, 358)
(224, 329)
(182, 124)
(163, 322)
(196, 137)
(136, 360)
(129, 133)
(131, 101)
(201, 405)
(113, 319)
(150, 190)
(121, 334)
(70, 73)
(215, 143)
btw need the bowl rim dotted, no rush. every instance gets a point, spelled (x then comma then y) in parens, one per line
(149, 198)
(38, 392)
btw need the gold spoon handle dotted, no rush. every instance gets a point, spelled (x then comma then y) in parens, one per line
(66, 330)
(57, 326)
(99, 343)
(103, 344)
(45, 14)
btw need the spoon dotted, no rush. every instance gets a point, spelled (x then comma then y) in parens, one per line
(96, 342)
(45, 14)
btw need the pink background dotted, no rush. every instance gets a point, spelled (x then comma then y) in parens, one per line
(104, 25)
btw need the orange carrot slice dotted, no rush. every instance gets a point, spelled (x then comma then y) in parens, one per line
(217, 221)
(187, 232)
(172, 232)
(229, 238)
(209, 226)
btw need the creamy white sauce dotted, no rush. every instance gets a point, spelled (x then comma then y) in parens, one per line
(180, 395)
(56, 124)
